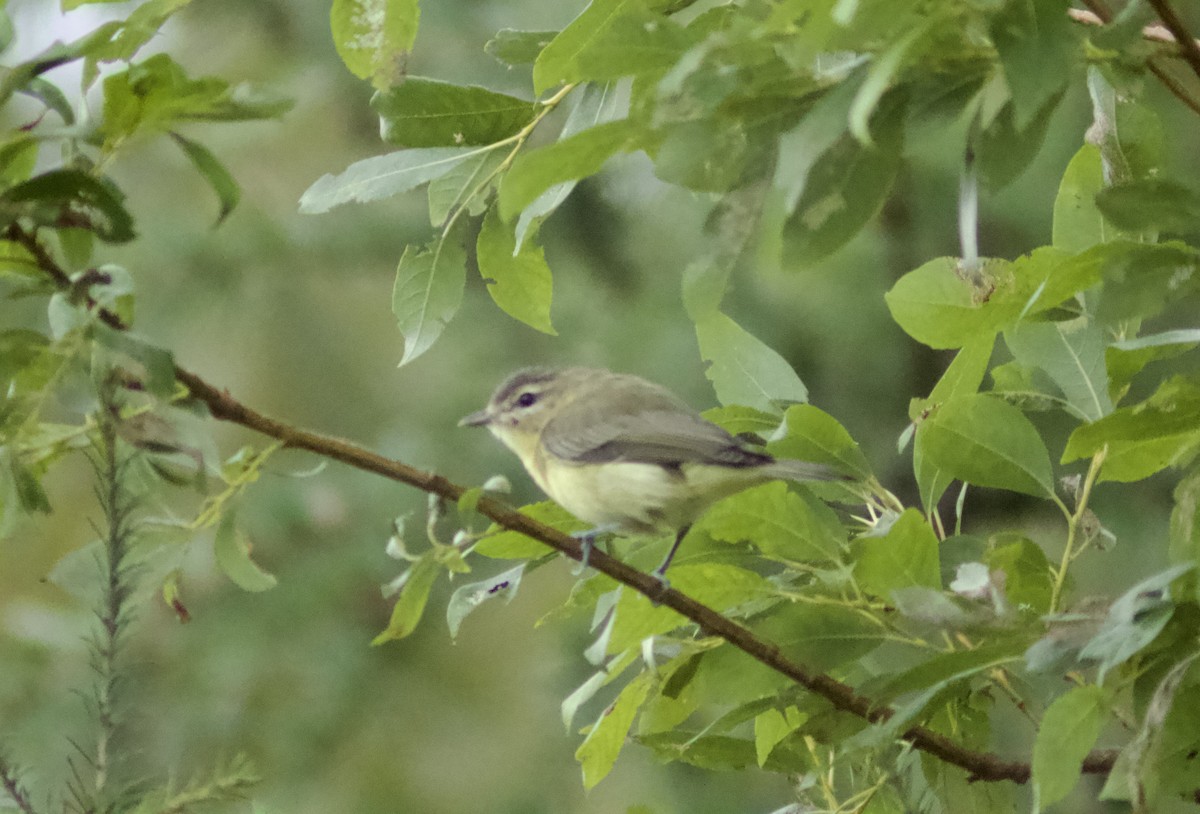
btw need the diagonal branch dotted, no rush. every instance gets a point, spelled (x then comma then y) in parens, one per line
(986, 766)
(1188, 48)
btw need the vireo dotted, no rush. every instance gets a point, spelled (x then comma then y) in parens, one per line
(625, 454)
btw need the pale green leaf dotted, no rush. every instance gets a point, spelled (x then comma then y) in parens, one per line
(466, 598)
(598, 752)
(1067, 732)
(414, 596)
(212, 171)
(382, 176)
(374, 37)
(537, 171)
(428, 291)
(781, 522)
(1072, 355)
(519, 280)
(232, 552)
(810, 434)
(984, 441)
(743, 369)
(906, 556)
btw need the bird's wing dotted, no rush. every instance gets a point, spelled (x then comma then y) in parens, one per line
(641, 422)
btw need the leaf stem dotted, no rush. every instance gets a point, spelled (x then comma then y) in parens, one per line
(1073, 521)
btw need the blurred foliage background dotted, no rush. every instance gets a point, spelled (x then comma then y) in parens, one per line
(292, 314)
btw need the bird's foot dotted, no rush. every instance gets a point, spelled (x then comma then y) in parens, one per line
(587, 542)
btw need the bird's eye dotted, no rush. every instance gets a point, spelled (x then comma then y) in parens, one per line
(526, 399)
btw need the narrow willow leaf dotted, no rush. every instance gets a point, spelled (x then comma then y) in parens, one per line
(232, 552)
(1072, 355)
(878, 79)
(382, 176)
(813, 136)
(429, 290)
(1145, 438)
(537, 171)
(514, 47)
(610, 39)
(598, 752)
(595, 105)
(213, 172)
(906, 556)
(519, 280)
(414, 596)
(430, 113)
(466, 598)
(1151, 204)
(743, 369)
(963, 376)
(1066, 734)
(467, 184)
(984, 441)
(810, 434)
(1037, 47)
(772, 727)
(780, 522)
(374, 37)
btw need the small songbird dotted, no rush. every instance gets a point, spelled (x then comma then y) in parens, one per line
(625, 454)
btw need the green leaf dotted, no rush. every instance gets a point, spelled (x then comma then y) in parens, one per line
(811, 434)
(906, 556)
(467, 184)
(1067, 733)
(1184, 545)
(790, 525)
(771, 727)
(610, 39)
(466, 598)
(1037, 46)
(156, 94)
(506, 545)
(1127, 357)
(821, 637)
(374, 37)
(536, 171)
(932, 481)
(1143, 280)
(414, 596)
(214, 172)
(1072, 355)
(429, 290)
(429, 113)
(801, 148)
(383, 176)
(844, 190)
(984, 441)
(598, 752)
(1028, 582)
(514, 47)
(938, 307)
(743, 369)
(232, 552)
(1150, 204)
(71, 196)
(518, 280)
(878, 80)
(1003, 151)
(717, 585)
(706, 156)
(1143, 439)
(157, 365)
(140, 27)
(963, 375)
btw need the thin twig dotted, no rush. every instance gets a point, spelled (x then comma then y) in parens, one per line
(984, 766)
(1189, 49)
(13, 788)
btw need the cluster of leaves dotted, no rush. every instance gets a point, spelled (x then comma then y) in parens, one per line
(793, 117)
(86, 382)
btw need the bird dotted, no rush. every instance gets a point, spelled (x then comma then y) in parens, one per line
(624, 454)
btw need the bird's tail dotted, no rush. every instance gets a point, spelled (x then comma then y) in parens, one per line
(791, 469)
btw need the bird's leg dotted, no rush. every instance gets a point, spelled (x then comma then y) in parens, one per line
(661, 570)
(587, 541)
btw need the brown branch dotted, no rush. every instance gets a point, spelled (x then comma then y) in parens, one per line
(1188, 48)
(12, 787)
(1101, 14)
(985, 766)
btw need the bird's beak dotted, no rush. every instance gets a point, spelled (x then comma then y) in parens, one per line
(479, 418)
